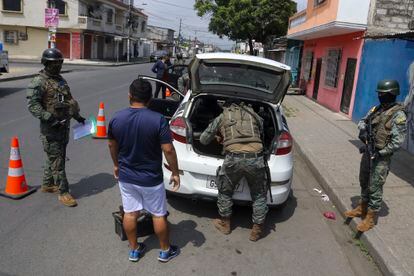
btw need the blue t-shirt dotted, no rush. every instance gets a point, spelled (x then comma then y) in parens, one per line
(139, 133)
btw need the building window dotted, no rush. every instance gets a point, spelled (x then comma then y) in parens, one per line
(61, 6)
(12, 5)
(318, 2)
(143, 26)
(333, 59)
(109, 16)
(307, 66)
(10, 37)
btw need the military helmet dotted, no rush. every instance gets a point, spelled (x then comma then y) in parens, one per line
(51, 54)
(388, 86)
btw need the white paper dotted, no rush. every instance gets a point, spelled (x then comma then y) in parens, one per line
(82, 130)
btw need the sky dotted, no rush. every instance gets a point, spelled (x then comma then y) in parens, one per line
(166, 13)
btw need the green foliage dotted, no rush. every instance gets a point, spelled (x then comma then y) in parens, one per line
(247, 19)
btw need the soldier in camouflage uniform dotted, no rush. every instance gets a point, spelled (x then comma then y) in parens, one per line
(389, 127)
(240, 128)
(49, 99)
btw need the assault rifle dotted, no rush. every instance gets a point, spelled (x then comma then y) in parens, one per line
(367, 137)
(268, 176)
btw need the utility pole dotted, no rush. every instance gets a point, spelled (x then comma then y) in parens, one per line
(179, 35)
(129, 28)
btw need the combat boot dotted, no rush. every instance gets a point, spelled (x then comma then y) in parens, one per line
(50, 189)
(223, 225)
(368, 222)
(359, 212)
(257, 232)
(67, 200)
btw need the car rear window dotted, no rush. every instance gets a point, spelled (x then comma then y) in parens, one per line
(239, 75)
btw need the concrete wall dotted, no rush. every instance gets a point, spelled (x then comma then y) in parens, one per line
(390, 16)
(348, 13)
(31, 48)
(379, 62)
(351, 48)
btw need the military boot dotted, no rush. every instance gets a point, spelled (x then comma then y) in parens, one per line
(368, 222)
(223, 225)
(257, 232)
(67, 200)
(50, 189)
(359, 212)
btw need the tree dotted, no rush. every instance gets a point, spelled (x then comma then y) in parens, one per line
(250, 20)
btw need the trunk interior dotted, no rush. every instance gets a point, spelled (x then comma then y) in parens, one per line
(206, 108)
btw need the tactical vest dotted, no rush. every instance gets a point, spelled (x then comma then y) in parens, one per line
(57, 98)
(382, 124)
(240, 126)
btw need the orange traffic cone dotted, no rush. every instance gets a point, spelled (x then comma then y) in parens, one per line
(16, 186)
(100, 123)
(167, 92)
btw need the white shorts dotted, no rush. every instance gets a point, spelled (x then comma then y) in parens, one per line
(136, 198)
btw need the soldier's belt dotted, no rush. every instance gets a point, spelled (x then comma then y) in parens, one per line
(245, 155)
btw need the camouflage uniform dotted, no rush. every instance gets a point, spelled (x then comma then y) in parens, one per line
(387, 142)
(49, 99)
(235, 167)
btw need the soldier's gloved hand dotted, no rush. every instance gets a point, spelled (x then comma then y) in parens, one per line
(362, 149)
(81, 120)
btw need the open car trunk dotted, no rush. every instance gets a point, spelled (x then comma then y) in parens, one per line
(206, 108)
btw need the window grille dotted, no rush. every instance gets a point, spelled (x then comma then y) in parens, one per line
(333, 59)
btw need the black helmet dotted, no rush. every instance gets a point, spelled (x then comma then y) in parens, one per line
(179, 55)
(389, 86)
(51, 54)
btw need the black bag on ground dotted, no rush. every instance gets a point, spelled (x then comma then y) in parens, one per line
(145, 226)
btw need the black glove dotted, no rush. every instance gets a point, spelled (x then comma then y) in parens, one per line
(81, 120)
(362, 149)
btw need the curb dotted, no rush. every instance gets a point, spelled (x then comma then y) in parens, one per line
(21, 77)
(387, 263)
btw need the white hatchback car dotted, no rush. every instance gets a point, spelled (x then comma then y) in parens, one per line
(218, 79)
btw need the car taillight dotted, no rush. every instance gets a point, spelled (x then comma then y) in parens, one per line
(179, 130)
(284, 145)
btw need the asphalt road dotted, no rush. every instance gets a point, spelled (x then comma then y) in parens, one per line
(39, 236)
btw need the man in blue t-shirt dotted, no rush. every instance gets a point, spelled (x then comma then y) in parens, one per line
(137, 139)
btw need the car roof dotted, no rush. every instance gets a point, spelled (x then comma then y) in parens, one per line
(246, 58)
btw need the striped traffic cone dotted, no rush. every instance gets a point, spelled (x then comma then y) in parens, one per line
(100, 123)
(16, 186)
(167, 92)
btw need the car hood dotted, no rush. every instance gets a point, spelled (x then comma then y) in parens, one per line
(240, 76)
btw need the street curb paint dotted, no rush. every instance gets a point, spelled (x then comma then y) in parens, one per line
(387, 263)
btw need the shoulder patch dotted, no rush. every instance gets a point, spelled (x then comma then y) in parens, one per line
(401, 119)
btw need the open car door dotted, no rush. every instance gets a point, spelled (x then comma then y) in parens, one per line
(168, 106)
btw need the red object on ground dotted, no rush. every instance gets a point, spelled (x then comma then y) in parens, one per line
(329, 215)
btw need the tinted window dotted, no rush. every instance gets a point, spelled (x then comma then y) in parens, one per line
(12, 5)
(239, 75)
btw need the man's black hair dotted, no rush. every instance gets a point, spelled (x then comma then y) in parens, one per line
(140, 91)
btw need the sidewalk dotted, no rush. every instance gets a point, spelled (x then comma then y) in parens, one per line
(23, 72)
(329, 142)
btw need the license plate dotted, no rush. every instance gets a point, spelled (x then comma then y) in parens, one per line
(212, 184)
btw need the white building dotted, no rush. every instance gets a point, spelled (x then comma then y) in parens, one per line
(88, 29)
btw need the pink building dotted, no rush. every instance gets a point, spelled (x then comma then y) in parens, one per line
(332, 32)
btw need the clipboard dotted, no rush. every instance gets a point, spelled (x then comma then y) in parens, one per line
(83, 130)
